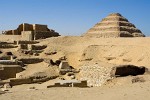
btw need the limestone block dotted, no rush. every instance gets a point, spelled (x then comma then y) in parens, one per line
(64, 65)
(27, 35)
(38, 27)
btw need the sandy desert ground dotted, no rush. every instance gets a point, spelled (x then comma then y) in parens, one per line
(137, 91)
(79, 50)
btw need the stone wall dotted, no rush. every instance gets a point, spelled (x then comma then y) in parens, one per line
(11, 38)
(20, 29)
(10, 62)
(9, 32)
(27, 35)
(14, 82)
(9, 71)
(31, 60)
(43, 35)
(23, 46)
(38, 47)
(27, 27)
(31, 32)
(38, 27)
(26, 42)
(7, 46)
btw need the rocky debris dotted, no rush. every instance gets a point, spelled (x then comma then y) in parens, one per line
(51, 53)
(32, 88)
(138, 79)
(2, 92)
(1, 52)
(95, 74)
(6, 87)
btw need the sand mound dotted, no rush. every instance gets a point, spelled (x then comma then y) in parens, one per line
(40, 70)
(121, 54)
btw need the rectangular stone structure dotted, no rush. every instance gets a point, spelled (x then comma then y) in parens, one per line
(9, 71)
(27, 35)
(38, 27)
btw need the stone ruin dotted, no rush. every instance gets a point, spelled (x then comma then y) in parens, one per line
(114, 25)
(11, 66)
(32, 32)
(69, 83)
(97, 74)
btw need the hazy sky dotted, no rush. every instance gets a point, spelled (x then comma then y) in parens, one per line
(72, 17)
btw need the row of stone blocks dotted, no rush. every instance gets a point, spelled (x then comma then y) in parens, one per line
(19, 81)
(81, 84)
(32, 47)
(9, 71)
(113, 23)
(107, 29)
(6, 46)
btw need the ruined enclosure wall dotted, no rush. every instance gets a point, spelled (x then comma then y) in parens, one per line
(37, 27)
(24, 27)
(5, 58)
(23, 46)
(15, 32)
(9, 62)
(27, 27)
(38, 47)
(14, 82)
(31, 60)
(27, 42)
(6, 46)
(20, 29)
(27, 35)
(9, 32)
(9, 72)
(43, 35)
(10, 37)
(31, 32)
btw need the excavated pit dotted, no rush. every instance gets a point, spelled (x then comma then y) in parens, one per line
(126, 70)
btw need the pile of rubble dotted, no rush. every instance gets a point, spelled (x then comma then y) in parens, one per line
(95, 74)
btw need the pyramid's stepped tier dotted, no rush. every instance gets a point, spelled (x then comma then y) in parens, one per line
(114, 25)
(115, 18)
(121, 28)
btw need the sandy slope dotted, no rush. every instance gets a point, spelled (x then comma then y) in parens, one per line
(134, 51)
(78, 50)
(137, 91)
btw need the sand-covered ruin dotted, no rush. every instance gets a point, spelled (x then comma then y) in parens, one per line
(112, 55)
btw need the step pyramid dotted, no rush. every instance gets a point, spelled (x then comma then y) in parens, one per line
(114, 25)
